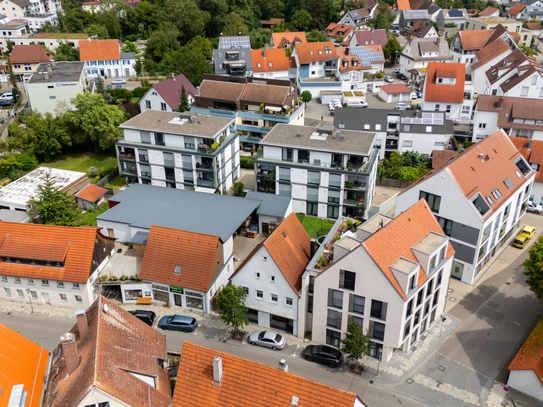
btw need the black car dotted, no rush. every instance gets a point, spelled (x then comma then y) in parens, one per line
(178, 323)
(146, 316)
(323, 354)
(7, 102)
(401, 76)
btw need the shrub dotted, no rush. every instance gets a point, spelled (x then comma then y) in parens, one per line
(349, 222)
(124, 278)
(337, 238)
(26, 162)
(468, 144)
(103, 277)
(140, 91)
(246, 162)
(94, 172)
(238, 188)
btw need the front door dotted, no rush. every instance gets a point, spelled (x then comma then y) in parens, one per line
(457, 270)
(84, 205)
(178, 300)
(102, 72)
(111, 233)
(265, 229)
(46, 298)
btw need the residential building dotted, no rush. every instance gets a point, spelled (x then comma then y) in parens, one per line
(485, 59)
(420, 4)
(24, 369)
(419, 52)
(90, 197)
(268, 24)
(13, 29)
(399, 130)
(234, 42)
(104, 58)
(221, 379)
(233, 62)
(339, 33)
(50, 40)
(455, 16)
(477, 197)
(273, 210)
(287, 39)
(532, 151)
(527, 10)
(273, 63)
(525, 370)
(55, 265)
(55, 82)
(490, 12)
(166, 95)
(446, 90)
(423, 29)
(408, 18)
(369, 37)
(433, 11)
(518, 12)
(16, 194)
(534, 28)
(329, 173)
(26, 58)
(356, 18)
(389, 275)
(272, 277)
(518, 117)
(16, 9)
(395, 93)
(109, 357)
(255, 105)
(489, 23)
(179, 150)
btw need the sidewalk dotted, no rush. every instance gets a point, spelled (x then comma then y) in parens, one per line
(22, 93)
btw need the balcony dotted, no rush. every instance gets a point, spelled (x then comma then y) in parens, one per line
(186, 165)
(204, 166)
(169, 163)
(350, 167)
(170, 177)
(129, 172)
(205, 183)
(127, 157)
(355, 186)
(270, 175)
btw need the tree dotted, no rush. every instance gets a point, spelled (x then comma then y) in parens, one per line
(12, 77)
(66, 52)
(189, 19)
(383, 19)
(231, 301)
(203, 45)
(278, 27)
(129, 47)
(391, 47)
(184, 102)
(55, 207)
(138, 67)
(189, 62)
(235, 25)
(306, 96)
(9, 44)
(316, 36)
(356, 344)
(301, 20)
(534, 268)
(98, 31)
(218, 10)
(435, 24)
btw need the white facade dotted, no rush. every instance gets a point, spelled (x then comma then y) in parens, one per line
(484, 124)
(51, 43)
(13, 11)
(120, 68)
(407, 62)
(152, 100)
(530, 87)
(394, 97)
(478, 75)
(527, 382)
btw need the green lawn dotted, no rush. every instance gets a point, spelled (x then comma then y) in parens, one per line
(82, 162)
(309, 221)
(89, 218)
(116, 182)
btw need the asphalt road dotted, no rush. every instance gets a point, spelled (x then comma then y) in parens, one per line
(46, 331)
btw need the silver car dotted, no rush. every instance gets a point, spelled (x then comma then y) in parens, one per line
(267, 339)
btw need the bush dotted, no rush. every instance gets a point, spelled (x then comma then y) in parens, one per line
(94, 172)
(247, 163)
(140, 91)
(468, 144)
(26, 162)
(238, 188)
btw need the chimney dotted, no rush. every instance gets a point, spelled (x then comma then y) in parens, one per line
(82, 324)
(35, 216)
(283, 365)
(69, 349)
(500, 103)
(46, 75)
(530, 145)
(481, 157)
(217, 371)
(49, 68)
(264, 52)
(173, 76)
(313, 248)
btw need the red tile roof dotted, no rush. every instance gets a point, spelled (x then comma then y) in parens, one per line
(91, 193)
(171, 90)
(403, 5)
(390, 89)
(73, 245)
(489, 52)
(277, 57)
(315, 51)
(533, 155)
(280, 39)
(116, 345)
(516, 9)
(487, 12)
(199, 256)
(247, 383)
(474, 40)
(511, 108)
(335, 28)
(99, 50)
(369, 37)
(441, 156)
(533, 26)
(399, 236)
(342, 53)
(435, 92)
(530, 355)
(23, 362)
(29, 54)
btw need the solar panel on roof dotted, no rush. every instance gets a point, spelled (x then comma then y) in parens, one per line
(455, 13)
(427, 121)
(234, 42)
(427, 115)
(416, 120)
(437, 121)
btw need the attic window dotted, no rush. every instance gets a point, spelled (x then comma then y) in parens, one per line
(522, 166)
(320, 51)
(489, 199)
(480, 204)
(310, 52)
(497, 194)
(177, 269)
(328, 50)
(518, 174)
(258, 64)
(508, 183)
(506, 115)
(366, 127)
(269, 64)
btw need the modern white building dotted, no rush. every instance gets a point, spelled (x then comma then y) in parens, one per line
(395, 93)
(328, 172)
(454, 15)
(389, 275)
(50, 40)
(532, 151)
(272, 275)
(179, 150)
(477, 197)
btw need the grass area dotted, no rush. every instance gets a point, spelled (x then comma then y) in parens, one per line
(89, 218)
(135, 99)
(309, 221)
(82, 162)
(242, 194)
(116, 182)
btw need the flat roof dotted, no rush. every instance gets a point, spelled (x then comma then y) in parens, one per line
(492, 20)
(62, 36)
(61, 72)
(272, 205)
(348, 243)
(429, 243)
(142, 206)
(12, 26)
(373, 224)
(20, 191)
(404, 265)
(347, 141)
(173, 122)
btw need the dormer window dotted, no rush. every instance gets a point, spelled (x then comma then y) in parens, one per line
(269, 64)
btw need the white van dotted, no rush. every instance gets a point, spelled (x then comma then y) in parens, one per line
(356, 103)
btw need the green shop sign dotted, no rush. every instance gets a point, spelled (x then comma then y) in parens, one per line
(176, 289)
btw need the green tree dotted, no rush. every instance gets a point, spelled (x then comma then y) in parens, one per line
(383, 19)
(65, 52)
(138, 67)
(435, 24)
(129, 47)
(534, 268)
(101, 89)
(231, 301)
(218, 10)
(203, 45)
(306, 96)
(162, 42)
(259, 38)
(9, 44)
(278, 27)
(391, 47)
(409, 174)
(184, 102)
(12, 77)
(55, 207)
(356, 344)
(187, 16)
(98, 31)
(301, 20)
(189, 62)
(235, 25)
(271, 9)
(316, 36)
(450, 25)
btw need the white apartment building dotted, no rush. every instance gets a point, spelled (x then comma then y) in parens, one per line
(179, 150)
(389, 275)
(477, 197)
(328, 172)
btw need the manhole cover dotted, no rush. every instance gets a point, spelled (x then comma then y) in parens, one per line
(442, 368)
(409, 380)
(450, 290)
(452, 299)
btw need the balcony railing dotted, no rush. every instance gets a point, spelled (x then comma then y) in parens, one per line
(354, 186)
(204, 167)
(205, 183)
(129, 171)
(170, 177)
(334, 183)
(317, 163)
(189, 181)
(267, 174)
(282, 193)
(313, 197)
(314, 181)
(284, 177)
(127, 157)
(169, 163)
(144, 158)
(186, 165)
(146, 174)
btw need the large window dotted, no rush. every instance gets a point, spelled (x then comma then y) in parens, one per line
(335, 298)
(311, 284)
(356, 303)
(433, 200)
(409, 309)
(132, 294)
(347, 279)
(160, 295)
(376, 350)
(419, 297)
(379, 310)
(333, 338)
(334, 319)
(377, 330)
(333, 212)
(312, 209)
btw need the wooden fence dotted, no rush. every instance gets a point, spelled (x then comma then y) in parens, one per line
(107, 179)
(392, 183)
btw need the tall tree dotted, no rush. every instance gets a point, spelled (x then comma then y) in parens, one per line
(235, 25)
(54, 206)
(534, 268)
(301, 20)
(12, 77)
(218, 10)
(189, 62)
(98, 31)
(184, 102)
(187, 16)
(65, 52)
(356, 344)
(231, 301)
(391, 47)
(383, 19)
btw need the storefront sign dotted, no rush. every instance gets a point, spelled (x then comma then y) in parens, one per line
(175, 289)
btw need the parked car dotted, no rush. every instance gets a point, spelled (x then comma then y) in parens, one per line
(178, 323)
(146, 316)
(6, 96)
(98, 79)
(109, 87)
(397, 32)
(356, 103)
(397, 70)
(401, 76)
(118, 82)
(402, 106)
(528, 231)
(419, 94)
(413, 95)
(7, 102)
(323, 354)
(389, 79)
(267, 339)
(524, 237)
(531, 207)
(118, 87)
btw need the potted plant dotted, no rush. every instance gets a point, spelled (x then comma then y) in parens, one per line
(124, 278)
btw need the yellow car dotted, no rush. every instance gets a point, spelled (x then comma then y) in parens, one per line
(528, 231)
(524, 236)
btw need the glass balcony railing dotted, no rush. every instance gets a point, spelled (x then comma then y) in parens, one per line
(284, 177)
(315, 181)
(146, 174)
(362, 168)
(187, 165)
(205, 183)
(313, 197)
(283, 193)
(334, 183)
(189, 181)
(170, 177)
(169, 163)
(129, 171)
(144, 158)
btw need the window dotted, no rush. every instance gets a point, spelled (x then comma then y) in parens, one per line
(412, 282)
(524, 91)
(433, 201)
(496, 193)
(273, 298)
(439, 277)
(259, 294)
(20, 293)
(407, 143)
(45, 283)
(246, 289)
(159, 138)
(75, 286)
(148, 104)
(78, 299)
(490, 201)
(310, 304)
(18, 280)
(409, 309)
(163, 106)
(436, 297)
(428, 129)
(34, 295)
(257, 275)
(534, 79)
(272, 279)
(334, 319)
(379, 309)
(288, 301)
(346, 279)
(482, 125)
(31, 281)
(311, 284)
(332, 338)
(448, 109)
(4, 278)
(60, 284)
(7, 291)
(429, 288)
(377, 330)
(436, 108)
(407, 329)
(356, 304)
(335, 298)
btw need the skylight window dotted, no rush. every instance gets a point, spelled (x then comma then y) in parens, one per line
(518, 174)
(508, 183)
(177, 269)
(497, 194)
(489, 199)
(320, 51)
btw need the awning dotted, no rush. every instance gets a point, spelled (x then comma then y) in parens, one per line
(273, 108)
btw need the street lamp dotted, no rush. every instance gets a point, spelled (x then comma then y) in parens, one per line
(443, 319)
(379, 357)
(30, 299)
(396, 60)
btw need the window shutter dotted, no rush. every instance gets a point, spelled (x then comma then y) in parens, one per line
(370, 331)
(384, 311)
(351, 302)
(338, 320)
(341, 278)
(330, 297)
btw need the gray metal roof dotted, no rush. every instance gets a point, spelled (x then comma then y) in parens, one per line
(7, 215)
(61, 72)
(128, 55)
(140, 238)
(219, 56)
(142, 206)
(272, 205)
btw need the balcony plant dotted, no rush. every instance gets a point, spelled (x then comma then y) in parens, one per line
(204, 148)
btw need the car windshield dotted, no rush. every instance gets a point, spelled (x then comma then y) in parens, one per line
(315, 349)
(518, 241)
(170, 319)
(278, 338)
(261, 335)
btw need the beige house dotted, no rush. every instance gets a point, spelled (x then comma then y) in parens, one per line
(16, 9)
(489, 23)
(26, 58)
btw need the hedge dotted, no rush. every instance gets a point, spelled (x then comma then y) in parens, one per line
(246, 162)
